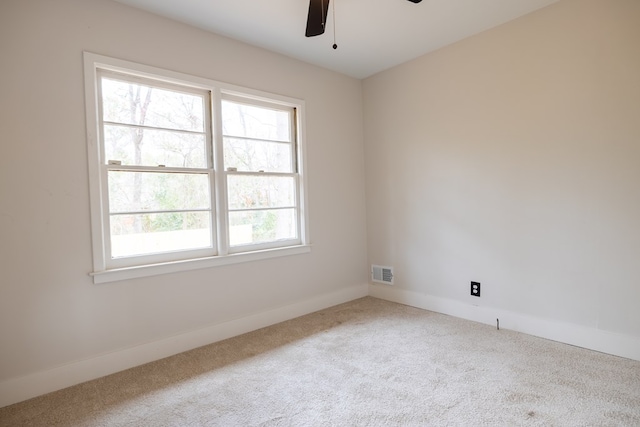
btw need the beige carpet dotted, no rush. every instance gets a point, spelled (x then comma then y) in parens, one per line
(365, 363)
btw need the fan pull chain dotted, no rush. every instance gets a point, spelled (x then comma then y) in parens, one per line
(335, 46)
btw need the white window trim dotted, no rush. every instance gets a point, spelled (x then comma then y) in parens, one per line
(102, 274)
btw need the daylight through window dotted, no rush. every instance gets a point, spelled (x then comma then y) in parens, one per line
(186, 169)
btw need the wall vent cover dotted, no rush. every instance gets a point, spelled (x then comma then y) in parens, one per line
(382, 274)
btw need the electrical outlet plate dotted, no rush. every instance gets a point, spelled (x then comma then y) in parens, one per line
(475, 289)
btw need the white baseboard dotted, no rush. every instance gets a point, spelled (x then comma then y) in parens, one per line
(23, 388)
(29, 386)
(591, 338)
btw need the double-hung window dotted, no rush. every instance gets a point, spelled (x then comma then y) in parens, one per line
(187, 172)
(260, 163)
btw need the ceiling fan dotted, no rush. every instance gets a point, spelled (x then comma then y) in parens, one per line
(317, 17)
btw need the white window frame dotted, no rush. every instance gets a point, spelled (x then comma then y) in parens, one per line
(106, 271)
(293, 174)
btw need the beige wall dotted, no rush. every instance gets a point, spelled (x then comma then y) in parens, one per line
(513, 158)
(51, 313)
(510, 158)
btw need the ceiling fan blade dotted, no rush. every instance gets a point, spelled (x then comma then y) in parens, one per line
(317, 17)
(415, 1)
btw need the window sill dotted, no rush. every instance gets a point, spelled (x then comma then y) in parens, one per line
(117, 274)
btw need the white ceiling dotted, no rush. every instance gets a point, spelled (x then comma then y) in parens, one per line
(372, 35)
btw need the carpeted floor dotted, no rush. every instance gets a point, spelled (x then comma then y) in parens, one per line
(365, 363)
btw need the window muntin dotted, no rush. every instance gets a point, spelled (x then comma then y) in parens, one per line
(267, 156)
(255, 121)
(261, 191)
(159, 232)
(157, 191)
(253, 227)
(230, 214)
(162, 147)
(139, 102)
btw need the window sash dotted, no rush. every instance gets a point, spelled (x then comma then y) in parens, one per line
(295, 207)
(160, 257)
(292, 116)
(179, 250)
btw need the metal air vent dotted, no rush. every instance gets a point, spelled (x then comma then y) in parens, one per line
(382, 274)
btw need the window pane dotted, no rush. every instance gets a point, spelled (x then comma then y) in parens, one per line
(138, 104)
(251, 191)
(250, 121)
(250, 227)
(159, 232)
(255, 155)
(150, 191)
(150, 147)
